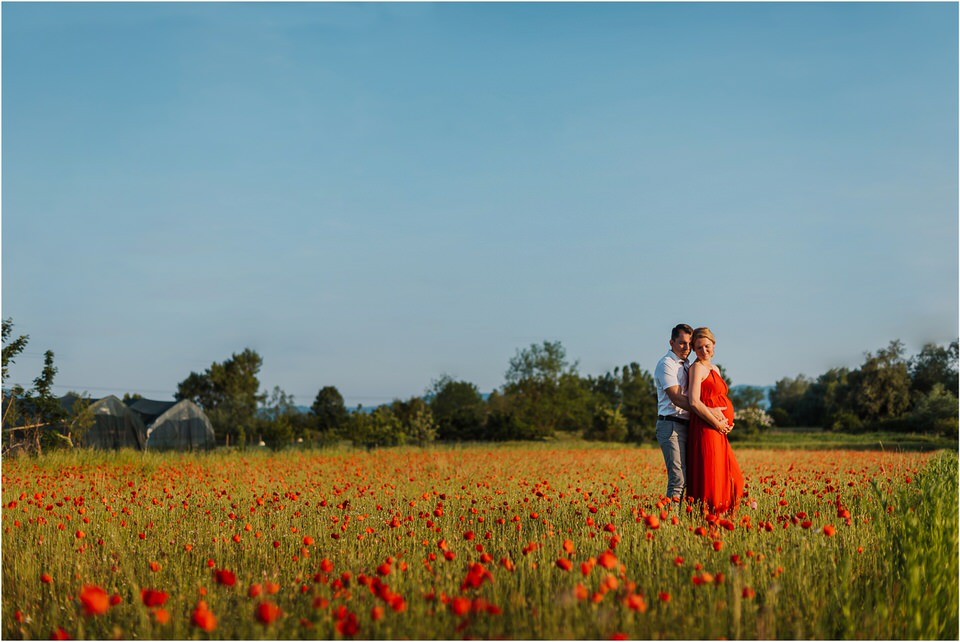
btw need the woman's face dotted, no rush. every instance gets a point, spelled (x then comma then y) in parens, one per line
(704, 348)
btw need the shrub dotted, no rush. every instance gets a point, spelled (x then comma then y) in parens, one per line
(608, 424)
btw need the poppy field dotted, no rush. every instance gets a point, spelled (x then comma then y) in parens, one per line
(511, 541)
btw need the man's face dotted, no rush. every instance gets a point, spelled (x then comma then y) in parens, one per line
(681, 345)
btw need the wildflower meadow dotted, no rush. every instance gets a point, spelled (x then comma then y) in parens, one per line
(513, 541)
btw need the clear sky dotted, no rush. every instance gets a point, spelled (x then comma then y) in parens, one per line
(372, 195)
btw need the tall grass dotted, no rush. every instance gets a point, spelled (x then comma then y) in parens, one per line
(470, 542)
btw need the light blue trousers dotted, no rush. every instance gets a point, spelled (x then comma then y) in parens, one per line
(673, 442)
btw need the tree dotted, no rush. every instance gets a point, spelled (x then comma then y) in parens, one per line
(541, 364)
(458, 410)
(379, 428)
(633, 391)
(825, 401)
(744, 397)
(36, 412)
(936, 412)
(78, 419)
(934, 364)
(880, 389)
(329, 412)
(11, 349)
(574, 403)
(416, 420)
(539, 387)
(228, 393)
(786, 399)
(607, 424)
(503, 423)
(279, 421)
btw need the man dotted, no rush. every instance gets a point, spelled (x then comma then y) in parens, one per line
(673, 408)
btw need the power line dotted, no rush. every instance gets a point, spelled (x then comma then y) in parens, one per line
(350, 400)
(69, 387)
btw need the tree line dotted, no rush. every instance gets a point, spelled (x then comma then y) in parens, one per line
(543, 396)
(887, 392)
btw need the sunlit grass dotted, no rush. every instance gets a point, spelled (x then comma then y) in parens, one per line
(517, 541)
(818, 439)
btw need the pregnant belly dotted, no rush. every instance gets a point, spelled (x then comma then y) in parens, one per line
(721, 401)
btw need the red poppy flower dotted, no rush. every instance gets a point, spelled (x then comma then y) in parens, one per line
(580, 591)
(46, 578)
(398, 603)
(348, 625)
(607, 560)
(460, 605)
(477, 574)
(636, 602)
(203, 617)
(225, 576)
(152, 597)
(267, 612)
(829, 530)
(161, 616)
(564, 564)
(94, 600)
(59, 633)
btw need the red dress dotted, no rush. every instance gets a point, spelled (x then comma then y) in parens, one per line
(713, 474)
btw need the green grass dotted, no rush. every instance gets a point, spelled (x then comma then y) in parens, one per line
(816, 438)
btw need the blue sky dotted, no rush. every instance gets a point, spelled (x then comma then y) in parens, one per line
(373, 195)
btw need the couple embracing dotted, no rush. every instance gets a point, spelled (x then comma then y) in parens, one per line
(693, 418)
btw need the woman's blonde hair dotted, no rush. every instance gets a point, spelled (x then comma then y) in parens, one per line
(703, 333)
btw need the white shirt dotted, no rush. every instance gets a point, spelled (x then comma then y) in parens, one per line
(671, 371)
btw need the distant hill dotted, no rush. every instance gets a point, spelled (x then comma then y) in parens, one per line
(306, 409)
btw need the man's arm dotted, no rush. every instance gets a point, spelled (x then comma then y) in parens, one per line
(681, 401)
(677, 398)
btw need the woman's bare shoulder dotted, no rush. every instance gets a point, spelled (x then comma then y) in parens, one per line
(698, 369)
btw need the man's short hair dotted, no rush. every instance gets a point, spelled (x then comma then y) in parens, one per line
(680, 327)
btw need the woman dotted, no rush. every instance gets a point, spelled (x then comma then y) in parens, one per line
(713, 475)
